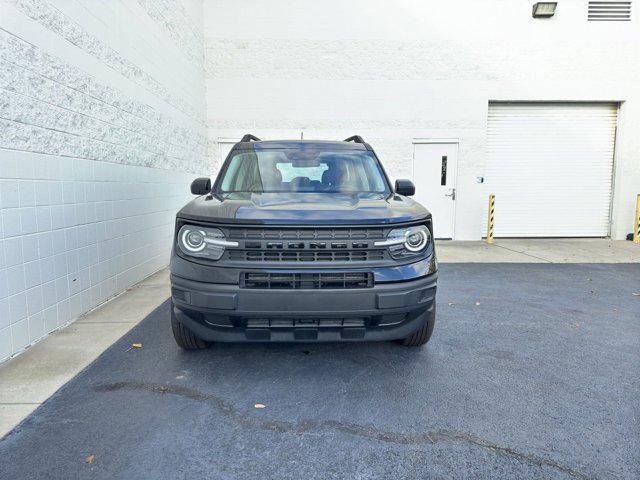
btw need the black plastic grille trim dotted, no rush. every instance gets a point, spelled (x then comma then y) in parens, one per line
(306, 255)
(314, 244)
(307, 322)
(312, 281)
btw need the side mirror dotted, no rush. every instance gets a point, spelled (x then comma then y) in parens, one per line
(405, 187)
(201, 186)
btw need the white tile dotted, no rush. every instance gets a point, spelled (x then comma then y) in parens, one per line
(89, 191)
(27, 193)
(57, 217)
(36, 327)
(4, 286)
(32, 274)
(43, 218)
(11, 225)
(85, 278)
(60, 265)
(28, 220)
(9, 194)
(62, 289)
(59, 241)
(75, 306)
(5, 313)
(15, 278)
(71, 238)
(86, 252)
(20, 335)
(8, 168)
(40, 167)
(50, 319)
(70, 219)
(13, 251)
(66, 167)
(49, 294)
(93, 254)
(81, 233)
(34, 300)
(45, 244)
(94, 294)
(55, 192)
(5, 343)
(72, 262)
(83, 257)
(81, 217)
(68, 192)
(74, 283)
(42, 193)
(63, 313)
(48, 269)
(79, 192)
(18, 307)
(24, 164)
(29, 248)
(55, 168)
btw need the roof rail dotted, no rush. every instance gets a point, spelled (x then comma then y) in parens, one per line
(249, 138)
(354, 138)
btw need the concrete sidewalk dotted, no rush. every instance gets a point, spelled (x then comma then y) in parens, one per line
(542, 250)
(33, 376)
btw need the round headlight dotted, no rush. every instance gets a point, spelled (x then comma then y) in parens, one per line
(203, 242)
(416, 239)
(406, 242)
(193, 240)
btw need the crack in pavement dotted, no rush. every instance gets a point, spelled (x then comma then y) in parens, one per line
(369, 432)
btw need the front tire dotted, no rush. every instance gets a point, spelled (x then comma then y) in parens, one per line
(184, 337)
(423, 334)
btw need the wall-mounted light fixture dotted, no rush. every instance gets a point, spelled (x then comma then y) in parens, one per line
(544, 9)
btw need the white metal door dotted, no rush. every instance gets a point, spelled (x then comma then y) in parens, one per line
(434, 173)
(550, 167)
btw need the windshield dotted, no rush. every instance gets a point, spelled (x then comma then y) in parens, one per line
(301, 170)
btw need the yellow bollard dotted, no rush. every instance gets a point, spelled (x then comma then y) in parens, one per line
(490, 217)
(636, 226)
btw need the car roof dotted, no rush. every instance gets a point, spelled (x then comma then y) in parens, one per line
(311, 144)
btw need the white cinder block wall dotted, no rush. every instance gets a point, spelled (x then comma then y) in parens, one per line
(414, 69)
(101, 131)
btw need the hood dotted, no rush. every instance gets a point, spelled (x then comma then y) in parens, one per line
(303, 208)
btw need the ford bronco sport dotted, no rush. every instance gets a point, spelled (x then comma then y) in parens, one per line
(302, 241)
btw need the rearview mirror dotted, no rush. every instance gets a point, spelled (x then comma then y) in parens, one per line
(405, 187)
(201, 186)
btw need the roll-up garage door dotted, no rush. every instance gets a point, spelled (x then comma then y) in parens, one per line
(550, 167)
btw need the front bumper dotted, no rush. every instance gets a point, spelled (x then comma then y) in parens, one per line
(228, 313)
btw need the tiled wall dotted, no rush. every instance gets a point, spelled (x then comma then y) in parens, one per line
(101, 132)
(74, 233)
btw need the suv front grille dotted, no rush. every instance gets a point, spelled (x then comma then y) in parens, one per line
(306, 280)
(259, 244)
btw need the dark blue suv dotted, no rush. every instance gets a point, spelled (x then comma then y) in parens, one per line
(302, 241)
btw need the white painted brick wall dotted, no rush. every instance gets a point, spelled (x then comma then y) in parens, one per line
(102, 130)
(395, 71)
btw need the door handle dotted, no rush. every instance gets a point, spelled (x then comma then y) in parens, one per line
(452, 193)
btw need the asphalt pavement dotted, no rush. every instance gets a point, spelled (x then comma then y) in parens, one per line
(533, 371)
